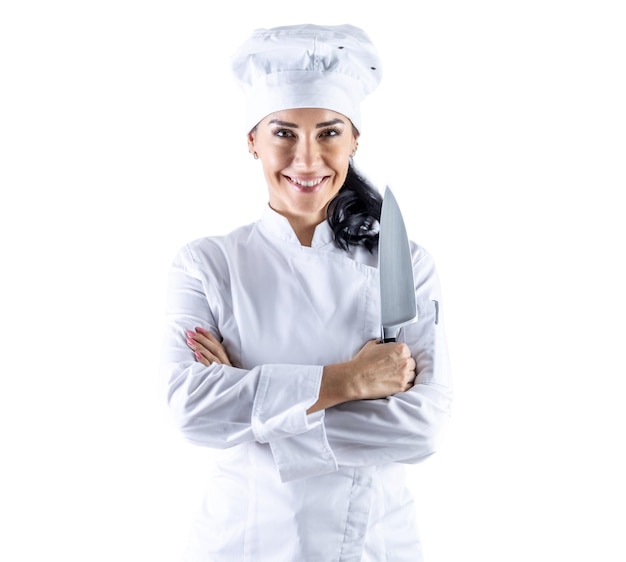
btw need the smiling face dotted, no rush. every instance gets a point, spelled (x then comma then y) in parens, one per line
(305, 155)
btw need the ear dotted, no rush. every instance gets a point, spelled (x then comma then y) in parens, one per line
(251, 142)
(355, 143)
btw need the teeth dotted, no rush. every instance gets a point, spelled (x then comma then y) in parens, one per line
(303, 183)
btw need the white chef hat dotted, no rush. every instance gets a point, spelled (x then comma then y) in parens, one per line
(288, 67)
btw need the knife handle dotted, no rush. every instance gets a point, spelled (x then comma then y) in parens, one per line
(388, 335)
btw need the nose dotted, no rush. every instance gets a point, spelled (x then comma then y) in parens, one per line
(307, 153)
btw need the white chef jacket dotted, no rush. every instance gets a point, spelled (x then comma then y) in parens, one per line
(287, 486)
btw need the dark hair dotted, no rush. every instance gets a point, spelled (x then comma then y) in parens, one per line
(354, 213)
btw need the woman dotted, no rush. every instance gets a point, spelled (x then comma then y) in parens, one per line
(271, 351)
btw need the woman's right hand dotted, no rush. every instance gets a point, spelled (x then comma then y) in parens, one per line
(376, 371)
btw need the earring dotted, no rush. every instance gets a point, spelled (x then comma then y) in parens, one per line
(255, 155)
(354, 151)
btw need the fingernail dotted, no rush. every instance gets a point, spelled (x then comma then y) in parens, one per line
(197, 354)
(190, 342)
(189, 333)
(200, 330)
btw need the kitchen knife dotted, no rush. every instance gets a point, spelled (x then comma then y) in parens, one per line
(397, 288)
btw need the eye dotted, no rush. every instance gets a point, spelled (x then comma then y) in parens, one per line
(330, 132)
(283, 133)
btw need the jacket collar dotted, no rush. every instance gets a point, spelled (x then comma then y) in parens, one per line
(278, 225)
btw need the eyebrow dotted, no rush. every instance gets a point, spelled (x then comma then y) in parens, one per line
(295, 126)
(328, 123)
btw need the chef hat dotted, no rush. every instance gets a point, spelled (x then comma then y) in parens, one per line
(330, 67)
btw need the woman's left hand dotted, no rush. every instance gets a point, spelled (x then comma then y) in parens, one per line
(206, 347)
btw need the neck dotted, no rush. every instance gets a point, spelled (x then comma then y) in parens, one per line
(304, 229)
(303, 225)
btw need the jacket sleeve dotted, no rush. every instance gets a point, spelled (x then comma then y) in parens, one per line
(221, 406)
(406, 427)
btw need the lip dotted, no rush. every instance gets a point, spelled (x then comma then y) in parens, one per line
(306, 185)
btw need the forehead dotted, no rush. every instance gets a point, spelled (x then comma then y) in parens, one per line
(306, 116)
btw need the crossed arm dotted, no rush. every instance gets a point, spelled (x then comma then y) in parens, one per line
(376, 371)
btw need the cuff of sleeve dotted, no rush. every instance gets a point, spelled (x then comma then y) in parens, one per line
(305, 455)
(284, 394)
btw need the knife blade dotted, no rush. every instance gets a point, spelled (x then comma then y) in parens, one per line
(397, 288)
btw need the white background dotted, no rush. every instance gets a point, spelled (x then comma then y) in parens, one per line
(500, 126)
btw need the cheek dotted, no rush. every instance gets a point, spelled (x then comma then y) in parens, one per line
(273, 165)
(341, 167)
(277, 159)
(342, 178)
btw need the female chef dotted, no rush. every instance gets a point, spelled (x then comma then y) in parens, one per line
(271, 353)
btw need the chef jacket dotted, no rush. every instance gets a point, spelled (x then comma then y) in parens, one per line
(287, 486)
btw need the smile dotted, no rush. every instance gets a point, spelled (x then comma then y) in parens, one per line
(306, 183)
